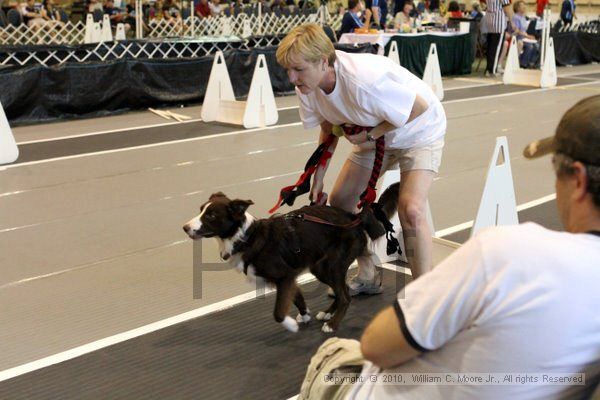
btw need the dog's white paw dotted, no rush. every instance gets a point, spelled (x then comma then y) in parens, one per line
(303, 319)
(326, 328)
(290, 324)
(323, 316)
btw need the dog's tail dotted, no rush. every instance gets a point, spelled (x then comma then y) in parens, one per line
(389, 200)
(371, 224)
(388, 204)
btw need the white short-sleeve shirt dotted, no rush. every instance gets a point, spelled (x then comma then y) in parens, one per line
(370, 89)
(521, 299)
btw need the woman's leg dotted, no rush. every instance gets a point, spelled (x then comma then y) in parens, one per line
(412, 201)
(350, 184)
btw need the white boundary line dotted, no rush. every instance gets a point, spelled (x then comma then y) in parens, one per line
(153, 327)
(131, 334)
(151, 145)
(256, 129)
(591, 81)
(199, 312)
(132, 128)
(469, 224)
(520, 92)
(481, 84)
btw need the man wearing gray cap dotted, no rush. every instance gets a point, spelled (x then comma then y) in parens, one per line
(519, 303)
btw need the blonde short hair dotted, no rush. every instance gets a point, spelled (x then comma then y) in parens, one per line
(308, 41)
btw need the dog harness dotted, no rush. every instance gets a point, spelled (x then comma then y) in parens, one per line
(321, 155)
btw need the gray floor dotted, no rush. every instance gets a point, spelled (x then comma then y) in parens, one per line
(91, 245)
(239, 353)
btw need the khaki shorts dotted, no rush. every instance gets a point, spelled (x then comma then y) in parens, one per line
(428, 157)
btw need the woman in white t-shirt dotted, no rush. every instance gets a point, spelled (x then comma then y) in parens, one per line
(365, 90)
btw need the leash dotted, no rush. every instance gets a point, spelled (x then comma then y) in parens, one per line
(321, 155)
(369, 194)
(288, 194)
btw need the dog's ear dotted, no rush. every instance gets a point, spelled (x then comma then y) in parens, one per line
(216, 195)
(238, 207)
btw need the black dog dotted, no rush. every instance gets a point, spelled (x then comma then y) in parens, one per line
(324, 239)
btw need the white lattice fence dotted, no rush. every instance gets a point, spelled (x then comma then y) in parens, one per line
(74, 33)
(57, 33)
(116, 50)
(267, 24)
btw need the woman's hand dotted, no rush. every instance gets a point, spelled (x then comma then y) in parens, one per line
(316, 190)
(359, 138)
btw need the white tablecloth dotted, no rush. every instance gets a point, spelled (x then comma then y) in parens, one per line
(382, 38)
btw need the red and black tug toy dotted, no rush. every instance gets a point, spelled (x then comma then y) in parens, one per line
(320, 157)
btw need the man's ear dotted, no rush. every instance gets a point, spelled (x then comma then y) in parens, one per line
(581, 180)
(238, 207)
(217, 195)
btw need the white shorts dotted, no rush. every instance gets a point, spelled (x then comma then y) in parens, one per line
(428, 157)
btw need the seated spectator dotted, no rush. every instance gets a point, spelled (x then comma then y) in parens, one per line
(130, 16)
(94, 5)
(50, 13)
(52, 17)
(32, 15)
(419, 9)
(115, 15)
(403, 20)
(202, 9)
(454, 10)
(171, 12)
(130, 13)
(235, 7)
(476, 13)
(215, 8)
(351, 19)
(276, 5)
(432, 5)
(529, 51)
(155, 12)
(512, 300)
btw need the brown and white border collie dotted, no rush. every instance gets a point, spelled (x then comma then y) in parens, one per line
(279, 248)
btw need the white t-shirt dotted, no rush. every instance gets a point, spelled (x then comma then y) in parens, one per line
(520, 299)
(370, 89)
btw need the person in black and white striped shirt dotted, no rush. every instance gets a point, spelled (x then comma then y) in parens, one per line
(496, 22)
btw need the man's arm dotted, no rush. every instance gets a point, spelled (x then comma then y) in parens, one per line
(432, 310)
(383, 342)
(509, 14)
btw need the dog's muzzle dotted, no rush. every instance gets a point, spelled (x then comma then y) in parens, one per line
(197, 234)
